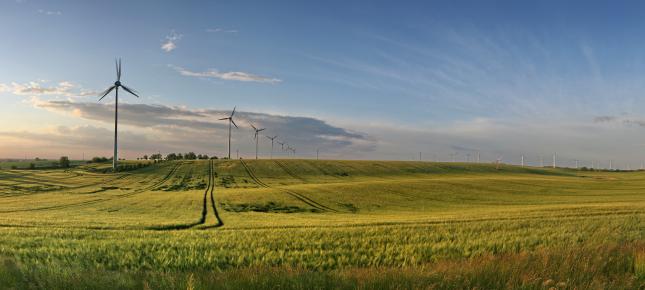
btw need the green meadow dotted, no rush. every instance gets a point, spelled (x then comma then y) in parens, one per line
(308, 224)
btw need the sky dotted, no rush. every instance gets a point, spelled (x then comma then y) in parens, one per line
(354, 79)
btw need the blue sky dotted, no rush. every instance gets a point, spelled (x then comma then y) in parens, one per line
(502, 77)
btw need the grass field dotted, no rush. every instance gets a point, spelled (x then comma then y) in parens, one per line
(305, 224)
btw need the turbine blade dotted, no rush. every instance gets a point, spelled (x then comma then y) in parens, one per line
(130, 90)
(260, 130)
(234, 123)
(253, 126)
(223, 118)
(106, 92)
(233, 113)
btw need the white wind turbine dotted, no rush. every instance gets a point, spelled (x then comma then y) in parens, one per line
(115, 88)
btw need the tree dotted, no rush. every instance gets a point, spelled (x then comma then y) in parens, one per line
(64, 162)
(32, 165)
(145, 157)
(171, 156)
(190, 156)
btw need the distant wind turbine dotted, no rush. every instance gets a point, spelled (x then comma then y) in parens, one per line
(230, 121)
(272, 139)
(115, 88)
(256, 138)
(281, 145)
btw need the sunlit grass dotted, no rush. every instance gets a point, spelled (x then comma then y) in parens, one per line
(438, 224)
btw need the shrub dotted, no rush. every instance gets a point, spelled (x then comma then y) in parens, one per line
(64, 162)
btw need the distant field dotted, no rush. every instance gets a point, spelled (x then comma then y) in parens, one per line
(322, 224)
(24, 164)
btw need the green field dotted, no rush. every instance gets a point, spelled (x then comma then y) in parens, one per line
(306, 224)
(38, 164)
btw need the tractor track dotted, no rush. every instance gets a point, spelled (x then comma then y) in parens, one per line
(95, 201)
(210, 188)
(220, 222)
(288, 171)
(294, 194)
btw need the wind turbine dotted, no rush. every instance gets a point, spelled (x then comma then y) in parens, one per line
(256, 138)
(230, 121)
(272, 138)
(281, 145)
(115, 88)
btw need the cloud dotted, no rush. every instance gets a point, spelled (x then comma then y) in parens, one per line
(230, 76)
(48, 12)
(625, 120)
(604, 119)
(221, 30)
(179, 128)
(171, 41)
(41, 88)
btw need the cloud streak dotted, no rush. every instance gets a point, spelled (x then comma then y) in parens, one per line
(49, 12)
(221, 30)
(229, 76)
(41, 88)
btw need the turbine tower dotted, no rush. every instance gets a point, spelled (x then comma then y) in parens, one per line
(256, 138)
(272, 138)
(115, 88)
(230, 121)
(522, 160)
(554, 160)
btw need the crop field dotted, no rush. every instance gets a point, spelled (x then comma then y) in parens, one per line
(306, 224)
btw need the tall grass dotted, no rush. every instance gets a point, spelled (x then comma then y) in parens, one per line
(598, 267)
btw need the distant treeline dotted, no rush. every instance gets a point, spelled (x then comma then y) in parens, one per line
(63, 162)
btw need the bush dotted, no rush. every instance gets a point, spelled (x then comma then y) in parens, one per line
(64, 162)
(99, 159)
(32, 166)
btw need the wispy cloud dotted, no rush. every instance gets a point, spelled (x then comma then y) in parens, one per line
(624, 120)
(41, 88)
(221, 30)
(49, 12)
(171, 41)
(229, 76)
